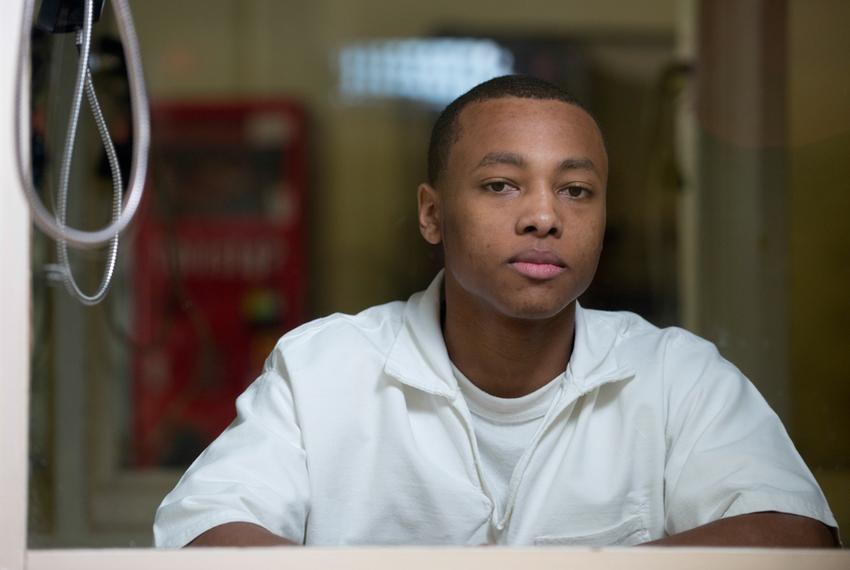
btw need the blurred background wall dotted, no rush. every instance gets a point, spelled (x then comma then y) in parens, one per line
(819, 177)
(266, 47)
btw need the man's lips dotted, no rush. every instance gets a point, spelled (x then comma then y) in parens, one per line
(538, 264)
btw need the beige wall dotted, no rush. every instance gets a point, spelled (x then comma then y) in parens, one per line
(227, 47)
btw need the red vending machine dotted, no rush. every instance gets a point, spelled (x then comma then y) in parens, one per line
(219, 267)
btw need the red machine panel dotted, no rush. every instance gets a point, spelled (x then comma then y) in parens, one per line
(219, 268)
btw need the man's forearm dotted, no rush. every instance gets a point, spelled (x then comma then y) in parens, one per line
(239, 534)
(756, 530)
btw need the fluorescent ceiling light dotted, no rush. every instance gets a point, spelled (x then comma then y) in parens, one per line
(434, 70)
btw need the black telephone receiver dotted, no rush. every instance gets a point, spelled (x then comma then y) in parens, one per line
(62, 16)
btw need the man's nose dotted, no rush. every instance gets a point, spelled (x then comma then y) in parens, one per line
(539, 214)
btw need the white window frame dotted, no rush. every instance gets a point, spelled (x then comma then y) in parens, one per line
(14, 411)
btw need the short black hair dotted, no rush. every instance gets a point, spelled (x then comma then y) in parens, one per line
(446, 130)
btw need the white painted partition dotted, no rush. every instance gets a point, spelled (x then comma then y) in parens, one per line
(14, 356)
(443, 559)
(14, 312)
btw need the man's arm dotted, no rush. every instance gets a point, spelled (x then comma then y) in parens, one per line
(239, 534)
(756, 530)
(254, 471)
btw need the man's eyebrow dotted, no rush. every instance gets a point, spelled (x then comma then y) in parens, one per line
(577, 164)
(514, 159)
(501, 158)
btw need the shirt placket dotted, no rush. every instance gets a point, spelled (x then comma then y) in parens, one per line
(462, 409)
(499, 520)
(563, 404)
(557, 406)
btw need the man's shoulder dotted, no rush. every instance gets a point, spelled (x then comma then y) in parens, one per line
(373, 329)
(666, 360)
(639, 338)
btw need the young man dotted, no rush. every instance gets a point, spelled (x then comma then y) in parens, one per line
(492, 408)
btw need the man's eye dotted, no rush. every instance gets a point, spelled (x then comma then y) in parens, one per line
(497, 187)
(576, 191)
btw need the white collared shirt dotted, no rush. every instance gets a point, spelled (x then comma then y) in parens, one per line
(356, 433)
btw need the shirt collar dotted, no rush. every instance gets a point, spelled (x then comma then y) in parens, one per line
(594, 358)
(419, 357)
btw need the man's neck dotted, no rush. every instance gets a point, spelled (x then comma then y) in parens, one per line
(507, 357)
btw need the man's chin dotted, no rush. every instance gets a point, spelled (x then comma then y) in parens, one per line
(537, 310)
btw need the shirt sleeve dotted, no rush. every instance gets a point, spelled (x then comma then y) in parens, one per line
(727, 451)
(255, 471)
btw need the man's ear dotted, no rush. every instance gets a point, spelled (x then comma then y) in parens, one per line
(429, 214)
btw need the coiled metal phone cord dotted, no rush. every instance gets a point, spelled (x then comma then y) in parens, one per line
(56, 227)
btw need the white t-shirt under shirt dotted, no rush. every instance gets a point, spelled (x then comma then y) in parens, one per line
(504, 430)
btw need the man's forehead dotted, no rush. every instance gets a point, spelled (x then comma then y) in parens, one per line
(506, 114)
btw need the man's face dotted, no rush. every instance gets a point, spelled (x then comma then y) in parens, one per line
(520, 208)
